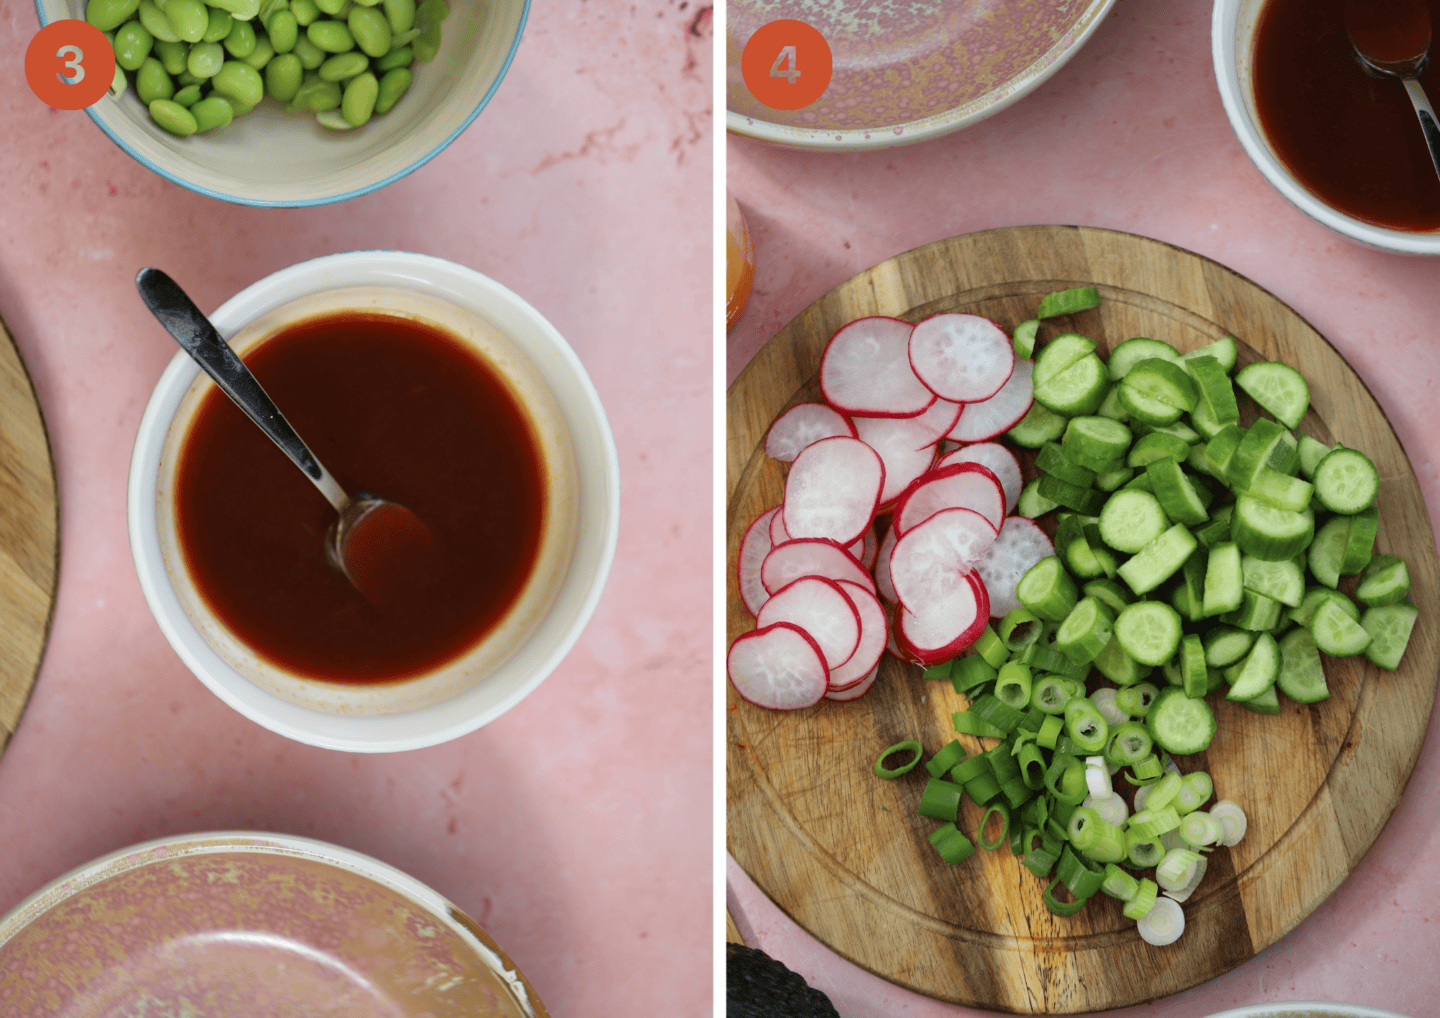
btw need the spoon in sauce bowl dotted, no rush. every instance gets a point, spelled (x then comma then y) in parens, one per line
(386, 552)
(1392, 38)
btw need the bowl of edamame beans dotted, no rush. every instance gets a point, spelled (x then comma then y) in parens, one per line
(295, 102)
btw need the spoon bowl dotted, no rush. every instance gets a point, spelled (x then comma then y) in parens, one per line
(1392, 38)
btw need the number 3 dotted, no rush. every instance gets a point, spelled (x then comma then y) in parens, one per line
(787, 54)
(77, 73)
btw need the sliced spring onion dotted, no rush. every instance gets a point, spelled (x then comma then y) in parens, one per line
(951, 843)
(1130, 743)
(1050, 730)
(1141, 852)
(1136, 700)
(1176, 869)
(988, 844)
(1146, 772)
(969, 672)
(1065, 780)
(1163, 923)
(1118, 883)
(991, 648)
(983, 789)
(1199, 828)
(1141, 794)
(1112, 808)
(1097, 776)
(1032, 766)
(1058, 907)
(1019, 628)
(1195, 790)
(1232, 821)
(1040, 859)
(1079, 874)
(1085, 725)
(1164, 792)
(969, 723)
(1143, 900)
(1012, 685)
(890, 773)
(1150, 823)
(1183, 894)
(940, 800)
(1104, 701)
(1171, 840)
(950, 755)
(1050, 693)
(969, 769)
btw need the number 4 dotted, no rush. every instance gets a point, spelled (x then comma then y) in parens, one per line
(779, 69)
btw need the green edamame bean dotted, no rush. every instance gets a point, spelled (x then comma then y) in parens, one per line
(311, 56)
(394, 85)
(118, 83)
(316, 97)
(433, 10)
(185, 79)
(151, 82)
(173, 55)
(269, 8)
(239, 81)
(173, 117)
(220, 22)
(404, 39)
(343, 66)
(400, 14)
(244, 10)
(283, 30)
(305, 12)
(283, 76)
(331, 36)
(240, 43)
(108, 15)
(330, 7)
(335, 120)
(364, 3)
(132, 45)
(261, 54)
(212, 112)
(370, 31)
(153, 18)
(427, 44)
(206, 58)
(189, 18)
(401, 57)
(359, 102)
(188, 96)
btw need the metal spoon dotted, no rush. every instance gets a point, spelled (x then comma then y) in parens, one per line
(1392, 38)
(398, 551)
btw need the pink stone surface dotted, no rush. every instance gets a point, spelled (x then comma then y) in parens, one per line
(577, 828)
(1130, 135)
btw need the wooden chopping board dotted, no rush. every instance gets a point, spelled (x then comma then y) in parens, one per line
(845, 854)
(29, 536)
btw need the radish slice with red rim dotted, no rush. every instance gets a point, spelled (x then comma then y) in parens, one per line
(962, 358)
(870, 548)
(959, 486)
(882, 566)
(1002, 464)
(1020, 545)
(932, 558)
(821, 608)
(779, 667)
(754, 546)
(832, 490)
(788, 562)
(778, 533)
(1001, 412)
(916, 433)
(856, 691)
(805, 424)
(904, 461)
(874, 632)
(941, 629)
(866, 370)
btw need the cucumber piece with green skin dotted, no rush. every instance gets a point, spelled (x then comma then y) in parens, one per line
(1267, 702)
(1314, 596)
(1157, 445)
(1177, 429)
(1279, 490)
(1253, 453)
(1259, 671)
(1224, 580)
(1114, 479)
(1217, 395)
(1031, 503)
(1109, 593)
(1052, 459)
(1311, 451)
(1159, 560)
(1112, 408)
(1390, 626)
(1118, 666)
(1256, 613)
(1327, 551)
(1137, 483)
(1023, 341)
(1225, 645)
(1098, 466)
(1098, 438)
(1285, 457)
(1047, 590)
(1192, 586)
(1176, 493)
(1269, 533)
(1282, 581)
(1359, 549)
(1204, 422)
(1133, 351)
(1071, 496)
(1058, 355)
(1220, 450)
(1149, 631)
(1278, 388)
(1164, 381)
(1132, 519)
(1068, 302)
(1346, 481)
(1302, 676)
(1085, 631)
(1194, 675)
(1385, 581)
(1216, 530)
(1038, 426)
(1336, 633)
(1078, 390)
(1223, 350)
(1180, 724)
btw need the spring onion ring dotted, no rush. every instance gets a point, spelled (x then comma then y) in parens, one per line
(890, 774)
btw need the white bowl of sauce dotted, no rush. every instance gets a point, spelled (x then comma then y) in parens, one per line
(1307, 1009)
(417, 380)
(1342, 146)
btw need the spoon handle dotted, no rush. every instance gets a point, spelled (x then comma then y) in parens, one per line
(174, 309)
(1428, 123)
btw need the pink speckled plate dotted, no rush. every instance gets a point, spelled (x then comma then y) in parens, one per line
(237, 925)
(907, 70)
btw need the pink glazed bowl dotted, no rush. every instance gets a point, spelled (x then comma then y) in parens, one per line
(243, 925)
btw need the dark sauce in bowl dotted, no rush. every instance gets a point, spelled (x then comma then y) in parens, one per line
(392, 406)
(1350, 138)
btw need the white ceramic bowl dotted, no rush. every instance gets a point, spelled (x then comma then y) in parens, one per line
(1232, 45)
(274, 158)
(448, 703)
(1307, 1009)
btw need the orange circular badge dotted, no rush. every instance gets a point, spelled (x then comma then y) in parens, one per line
(70, 64)
(786, 65)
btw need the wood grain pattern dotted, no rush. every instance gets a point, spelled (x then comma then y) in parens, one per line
(845, 854)
(29, 537)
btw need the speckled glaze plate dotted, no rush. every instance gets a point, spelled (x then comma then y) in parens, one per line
(237, 925)
(907, 70)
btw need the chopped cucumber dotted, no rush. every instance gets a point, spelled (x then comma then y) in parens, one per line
(1278, 388)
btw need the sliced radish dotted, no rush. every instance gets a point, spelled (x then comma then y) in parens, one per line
(882, 566)
(869, 549)
(874, 632)
(1020, 545)
(866, 370)
(821, 608)
(894, 442)
(832, 490)
(959, 486)
(962, 358)
(805, 424)
(787, 562)
(856, 691)
(754, 546)
(932, 558)
(778, 533)
(918, 433)
(941, 629)
(1002, 464)
(780, 667)
(1001, 412)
